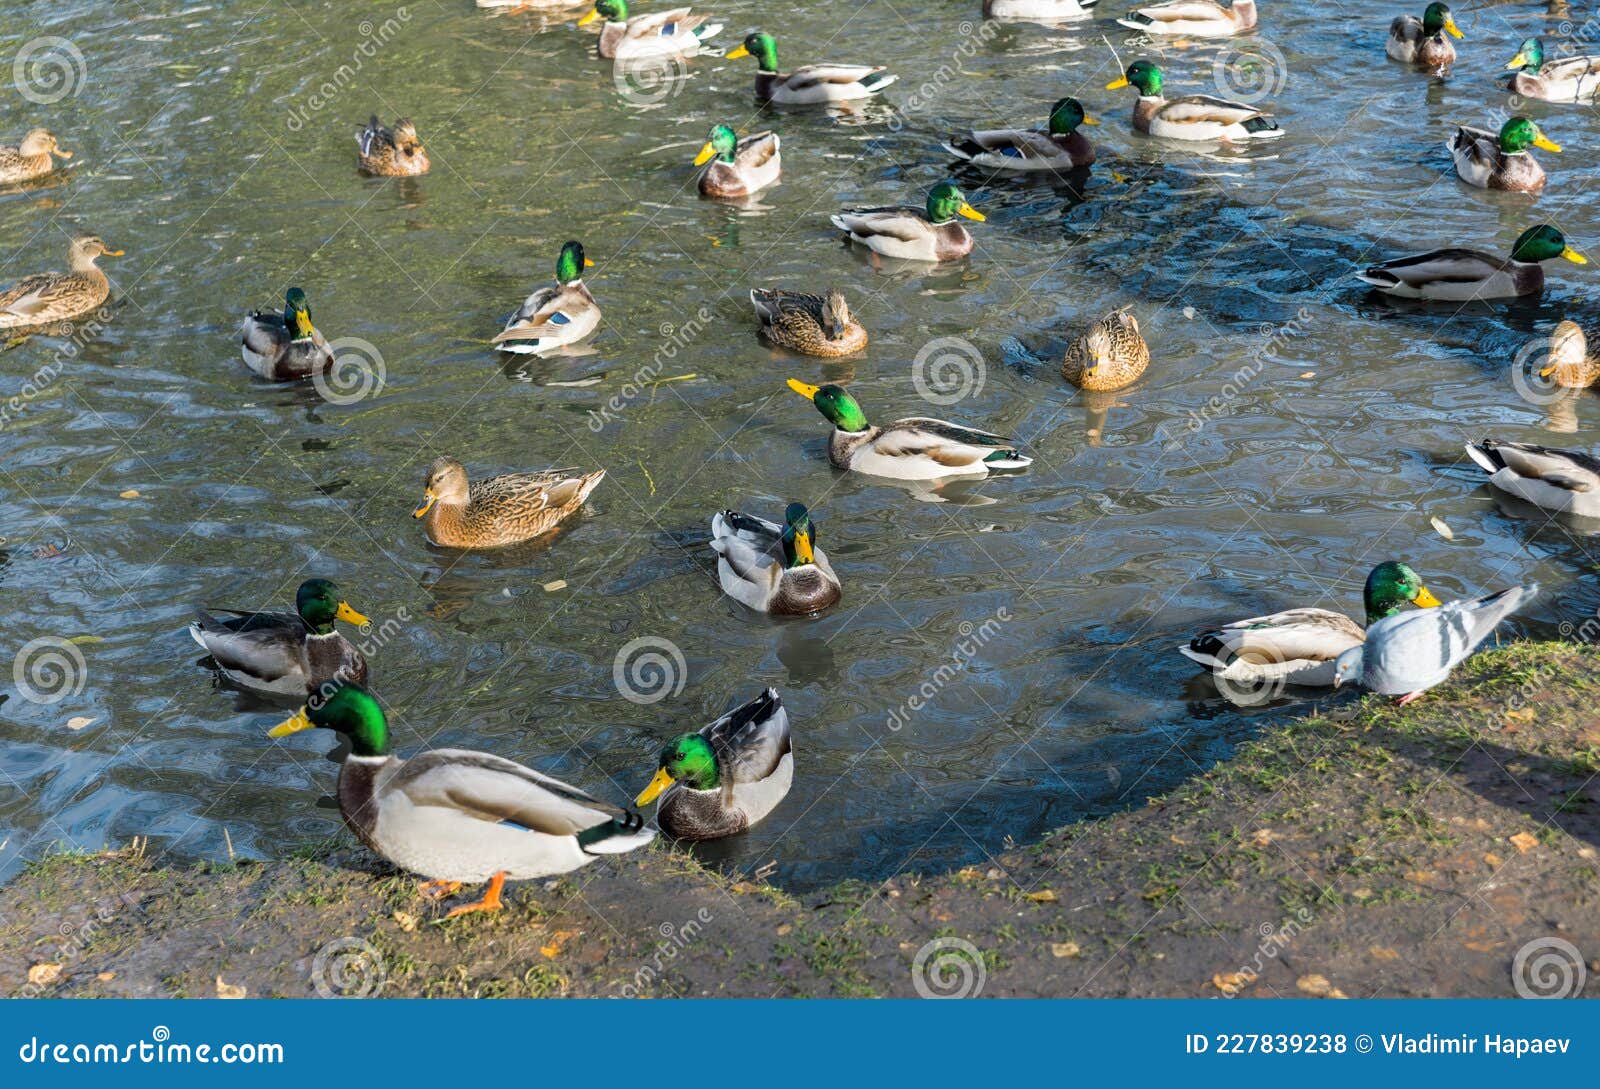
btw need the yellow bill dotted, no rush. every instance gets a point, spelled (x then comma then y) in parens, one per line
(1087, 120)
(1120, 81)
(594, 13)
(802, 547)
(1450, 25)
(588, 263)
(970, 212)
(705, 155)
(661, 782)
(1547, 372)
(112, 253)
(1574, 256)
(348, 615)
(1517, 61)
(63, 152)
(1541, 140)
(428, 500)
(808, 392)
(738, 51)
(1425, 599)
(292, 725)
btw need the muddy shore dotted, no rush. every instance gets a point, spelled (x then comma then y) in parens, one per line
(1368, 850)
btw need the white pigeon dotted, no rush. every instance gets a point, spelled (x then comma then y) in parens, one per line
(1408, 653)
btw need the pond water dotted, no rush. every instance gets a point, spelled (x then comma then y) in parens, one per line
(1292, 431)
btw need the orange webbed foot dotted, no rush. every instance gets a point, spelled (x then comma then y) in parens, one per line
(490, 901)
(438, 890)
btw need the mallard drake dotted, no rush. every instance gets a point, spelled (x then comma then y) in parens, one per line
(1046, 11)
(30, 159)
(1562, 481)
(396, 152)
(1406, 654)
(1059, 146)
(818, 325)
(1109, 355)
(286, 346)
(1568, 363)
(930, 234)
(1457, 275)
(728, 776)
(283, 654)
(1422, 41)
(456, 816)
(48, 297)
(1192, 117)
(1571, 79)
(1502, 162)
(673, 33)
(811, 85)
(738, 167)
(1300, 646)
(771, 568)
(562, 313)
(915, 448)
(501, 510)
(1193, 19)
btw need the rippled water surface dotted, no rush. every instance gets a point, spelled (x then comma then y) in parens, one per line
(1292, 431)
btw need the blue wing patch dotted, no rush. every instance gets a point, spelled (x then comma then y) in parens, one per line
(669, 29)
(558, 318)
(1012, 151)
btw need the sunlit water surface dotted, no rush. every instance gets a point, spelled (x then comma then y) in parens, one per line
(1292, 431)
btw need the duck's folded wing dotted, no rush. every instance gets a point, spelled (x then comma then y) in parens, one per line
(31, 294)
(757, 150)
(905, 224)
(1022, 143)
(1440, 266)
(751, 740)
(536, 316)
(1203, 109)
(1570, 469)
(494, 789)
(1573, 68)
(664, 24)
(812, 75)
(1293, 635)
(1182, 11)
(1407, 28)
(264, 333)
(261, 645)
